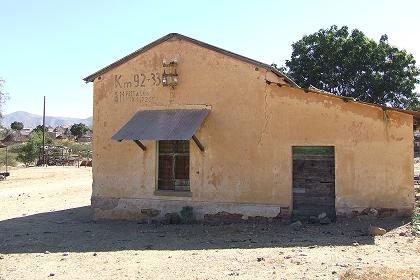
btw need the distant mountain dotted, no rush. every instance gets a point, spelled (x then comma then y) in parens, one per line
(31, 120)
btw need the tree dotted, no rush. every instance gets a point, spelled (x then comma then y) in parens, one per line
(38, 128)
(78, 129)
(31, 151)
(350, 64)
(16, 125)
(28, 153)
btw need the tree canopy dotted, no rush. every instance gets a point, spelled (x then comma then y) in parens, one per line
(39, 128)
(350, 64)
(31, 151)
(78, 129)
(16, 125)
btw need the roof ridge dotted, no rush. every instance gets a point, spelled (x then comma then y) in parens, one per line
(120, 61)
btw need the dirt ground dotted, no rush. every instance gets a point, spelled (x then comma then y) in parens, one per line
(46, 232)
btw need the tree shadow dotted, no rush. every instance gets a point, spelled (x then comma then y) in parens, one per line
(73, 230)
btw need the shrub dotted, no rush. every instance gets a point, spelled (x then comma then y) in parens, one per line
(415, 221)
(187, 216)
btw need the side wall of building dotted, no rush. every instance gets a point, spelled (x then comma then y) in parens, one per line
(246, 167)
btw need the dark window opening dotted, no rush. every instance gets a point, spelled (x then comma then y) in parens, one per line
(174, 165)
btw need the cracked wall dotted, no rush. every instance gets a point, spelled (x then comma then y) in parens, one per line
(248, 135)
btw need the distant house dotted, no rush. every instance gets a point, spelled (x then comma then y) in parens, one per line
(59, 130)
(62, 136)
(87, 137)
(13, 137)
(25, 132)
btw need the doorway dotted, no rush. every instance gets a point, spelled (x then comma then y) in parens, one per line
(313, 181)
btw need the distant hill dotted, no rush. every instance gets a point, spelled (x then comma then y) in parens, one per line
(31, 120)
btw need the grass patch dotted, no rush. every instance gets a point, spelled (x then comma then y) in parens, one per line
(12, 152)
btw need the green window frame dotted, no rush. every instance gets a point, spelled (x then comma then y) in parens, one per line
(173, 166)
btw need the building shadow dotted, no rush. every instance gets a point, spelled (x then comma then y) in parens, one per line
(73, 230)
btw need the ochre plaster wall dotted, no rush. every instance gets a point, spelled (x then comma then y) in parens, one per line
(248, 135)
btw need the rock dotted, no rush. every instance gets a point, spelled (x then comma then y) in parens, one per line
(312, 246)
(322, 215)
(173, 218)
(402, 234)
(313, 220)
(150, 212)
(373, 212)
(52, 274)
(223, 218)
(260, 259)
(375, 231)
(355, 243)
(296, 225)
(325, 221)
(46, 252)
(1, 257)
(95, 254)
(65, 254)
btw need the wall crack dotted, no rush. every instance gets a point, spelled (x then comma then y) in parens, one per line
(266, 112)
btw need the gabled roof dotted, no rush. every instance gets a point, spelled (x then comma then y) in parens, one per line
(92, 77)
(290, 82)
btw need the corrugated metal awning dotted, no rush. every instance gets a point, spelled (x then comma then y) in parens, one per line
(170, 124)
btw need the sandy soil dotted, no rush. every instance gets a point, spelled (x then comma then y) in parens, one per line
(46, 232)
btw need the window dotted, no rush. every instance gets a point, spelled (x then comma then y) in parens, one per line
(174, 165)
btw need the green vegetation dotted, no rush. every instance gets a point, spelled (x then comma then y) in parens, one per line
(349, 64)
(11, 156)
(187, 215)
(76, 147)
(78, 129)
(38, 128)
(29, 152)
(415, 230)
(16, 125)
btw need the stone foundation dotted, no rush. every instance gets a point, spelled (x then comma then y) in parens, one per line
(148, 210)
(346, 213)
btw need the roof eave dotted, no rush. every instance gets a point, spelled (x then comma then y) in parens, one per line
(93, 76)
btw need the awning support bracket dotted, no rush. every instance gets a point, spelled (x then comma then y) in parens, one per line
(140, 144)
(199, 145)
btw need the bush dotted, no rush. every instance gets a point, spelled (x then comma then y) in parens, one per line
(28, 153)
(187, 215)
(415, 221)
(11, 156)
(76, 148)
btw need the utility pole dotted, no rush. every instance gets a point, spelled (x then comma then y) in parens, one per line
(43, 135)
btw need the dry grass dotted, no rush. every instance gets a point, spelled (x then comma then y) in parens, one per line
(381, 273)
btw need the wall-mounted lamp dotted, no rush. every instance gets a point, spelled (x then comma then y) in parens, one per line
(170, 62)
(170, 78)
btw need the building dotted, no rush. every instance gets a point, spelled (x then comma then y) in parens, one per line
(86, 137)
(182, 123)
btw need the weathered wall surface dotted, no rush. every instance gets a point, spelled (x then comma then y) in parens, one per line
(248, 136)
